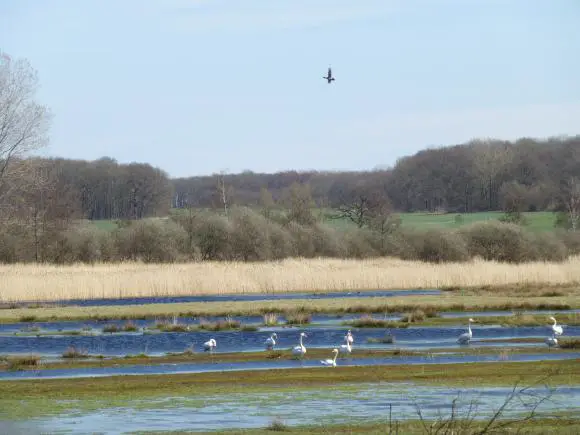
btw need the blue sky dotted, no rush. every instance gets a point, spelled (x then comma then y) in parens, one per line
(200, 86)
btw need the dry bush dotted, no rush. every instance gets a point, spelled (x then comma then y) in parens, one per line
(281, 243)
(547, 247)
(212, 237)
(302, 240)
(249, 238)
(359, 244)
(571, 240)
(438, 246)
(84, 243)
(150, 241)
(328, 242)
(498, 241)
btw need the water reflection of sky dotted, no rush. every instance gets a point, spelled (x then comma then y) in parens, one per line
(345, 403)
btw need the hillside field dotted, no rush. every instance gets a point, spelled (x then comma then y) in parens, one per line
(537, 221)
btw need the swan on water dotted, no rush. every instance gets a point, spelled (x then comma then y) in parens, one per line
(300, 350)
(209, 345)
(271, 342)
(466, 337)
(348, 338)
(330, 362)
(345, 348)
(558, 330)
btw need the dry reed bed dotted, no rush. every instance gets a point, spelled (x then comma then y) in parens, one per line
(32, 282)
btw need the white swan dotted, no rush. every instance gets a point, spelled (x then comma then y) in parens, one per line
(466, 337)
(348, 338)
(557, 329)
(271, 342)
(300, 349)
(209, 345)
(330, 362)
(345, 348)
(552, 341)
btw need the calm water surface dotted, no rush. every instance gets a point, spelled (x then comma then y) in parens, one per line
(352, 403)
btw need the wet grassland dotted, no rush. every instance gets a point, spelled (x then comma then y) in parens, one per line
(26, 399)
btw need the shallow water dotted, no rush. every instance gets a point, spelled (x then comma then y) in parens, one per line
(420, 338)
(96, 326)
(242, 297)
(181, 368)
(347, 403)
(467, 314)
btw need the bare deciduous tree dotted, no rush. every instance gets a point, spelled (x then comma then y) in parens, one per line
(266, 202)
(572, 201)
(362, 204)
(24, 123)
(490, 159)
(224, 192)
(300, 204)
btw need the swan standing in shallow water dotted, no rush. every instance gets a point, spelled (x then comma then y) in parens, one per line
(465, 338)
(209, 345)
(348, 338)
(345, 348)
(330, 362)
(271, 342)
(300, 350)
(557, 329)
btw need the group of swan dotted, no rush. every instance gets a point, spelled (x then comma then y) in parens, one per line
(556, 330)
(300, 350)
(346, 348)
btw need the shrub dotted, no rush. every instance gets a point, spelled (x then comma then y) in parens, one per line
(439, 246)
(249, 237)
(213, 237)
(496, 241)
(151, 241)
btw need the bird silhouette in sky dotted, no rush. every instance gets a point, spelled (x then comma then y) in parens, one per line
(329, 77)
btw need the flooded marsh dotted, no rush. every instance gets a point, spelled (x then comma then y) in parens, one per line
(71, 374)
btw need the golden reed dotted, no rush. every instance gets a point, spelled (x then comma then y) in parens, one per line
(33, 282)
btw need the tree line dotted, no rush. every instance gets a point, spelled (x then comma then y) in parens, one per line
(248, 235)
(481, 175)
(43, 201)
(526, 175)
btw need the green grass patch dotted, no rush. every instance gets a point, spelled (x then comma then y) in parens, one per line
(562, 425)
(537, 221)
(497, 373)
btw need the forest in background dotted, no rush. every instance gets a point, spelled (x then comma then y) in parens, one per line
(46, 202)
(526, 175)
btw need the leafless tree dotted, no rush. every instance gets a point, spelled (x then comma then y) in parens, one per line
(224, 192)
(363, 203)
(572, 201)
(24, 123)
(300, 203)
(266, 202)
(490, 159)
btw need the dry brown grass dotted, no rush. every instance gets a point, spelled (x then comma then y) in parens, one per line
(50, 283)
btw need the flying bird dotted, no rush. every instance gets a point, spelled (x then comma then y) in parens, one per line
(329, 77)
